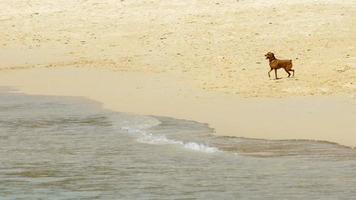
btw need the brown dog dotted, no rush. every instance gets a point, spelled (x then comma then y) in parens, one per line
(275, 64)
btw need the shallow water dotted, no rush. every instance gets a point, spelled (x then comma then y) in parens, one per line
(70, 148)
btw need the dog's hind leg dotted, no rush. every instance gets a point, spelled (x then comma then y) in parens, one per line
(269, 75)
(287, 72)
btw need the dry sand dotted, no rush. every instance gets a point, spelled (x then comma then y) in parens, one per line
(199, 60)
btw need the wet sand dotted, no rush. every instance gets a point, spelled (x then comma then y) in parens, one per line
(316, 118)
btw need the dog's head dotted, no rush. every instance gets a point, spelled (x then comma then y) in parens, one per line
(270, 56)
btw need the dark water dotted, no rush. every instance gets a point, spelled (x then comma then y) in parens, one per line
(70, 148)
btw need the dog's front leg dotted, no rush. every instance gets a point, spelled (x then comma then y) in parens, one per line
(269, 73)
(275, 71)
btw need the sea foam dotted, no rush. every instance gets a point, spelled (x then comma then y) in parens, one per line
(149, 138)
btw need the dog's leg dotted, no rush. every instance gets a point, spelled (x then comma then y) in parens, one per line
(275, 71)
(292, 70)
(269, 75)
(287, 72)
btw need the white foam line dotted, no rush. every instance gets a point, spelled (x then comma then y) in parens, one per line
(201, 147)
(149, 138)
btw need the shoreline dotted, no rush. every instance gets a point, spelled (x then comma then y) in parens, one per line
(309, 118)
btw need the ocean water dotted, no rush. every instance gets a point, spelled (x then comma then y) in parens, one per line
(71, 148)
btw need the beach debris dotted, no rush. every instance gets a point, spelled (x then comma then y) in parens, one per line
(343, 69)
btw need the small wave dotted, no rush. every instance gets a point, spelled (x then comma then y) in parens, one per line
(201, 147)
(149, 138)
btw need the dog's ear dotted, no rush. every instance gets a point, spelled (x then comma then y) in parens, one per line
(272, 55)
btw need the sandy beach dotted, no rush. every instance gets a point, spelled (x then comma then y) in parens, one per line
(196, 60)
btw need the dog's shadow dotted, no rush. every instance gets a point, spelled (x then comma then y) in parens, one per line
(283, 78)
